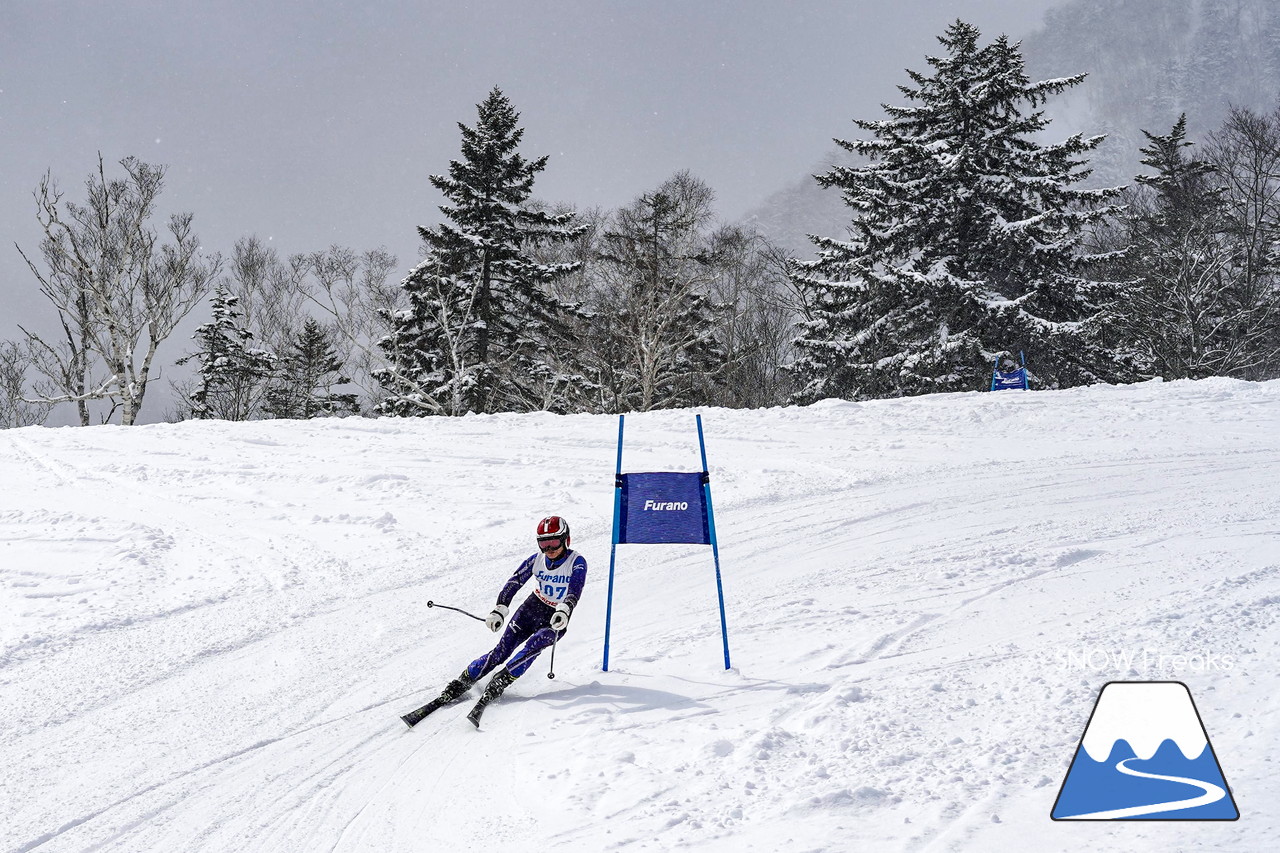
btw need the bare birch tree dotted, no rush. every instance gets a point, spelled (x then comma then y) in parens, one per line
(653, 309)
(353, 291)
(270, 292)
(757, 322)
(119, 290)
(1246, 153)
(15, 409)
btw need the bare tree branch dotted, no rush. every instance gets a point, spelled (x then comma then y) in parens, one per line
(118, 291)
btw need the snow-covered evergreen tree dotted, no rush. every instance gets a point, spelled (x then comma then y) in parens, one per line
(309, 372)
(481, 317)
(965, 241)
(230, 371)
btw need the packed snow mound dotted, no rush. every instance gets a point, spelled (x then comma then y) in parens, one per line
(208, 631)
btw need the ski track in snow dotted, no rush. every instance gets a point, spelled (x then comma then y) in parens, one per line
(208, 631)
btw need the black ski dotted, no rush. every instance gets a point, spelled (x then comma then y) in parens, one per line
(452, 693)
(412, 718)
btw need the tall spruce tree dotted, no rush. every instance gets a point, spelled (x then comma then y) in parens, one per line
(481, 317)
(308, 374)
(232, 374)
(965, 242)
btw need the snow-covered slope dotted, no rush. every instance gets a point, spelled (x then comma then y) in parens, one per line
(208, 631)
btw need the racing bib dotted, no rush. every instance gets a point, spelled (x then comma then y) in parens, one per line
(553, 584)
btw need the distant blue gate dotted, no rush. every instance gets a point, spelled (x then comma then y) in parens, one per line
(1003, 380)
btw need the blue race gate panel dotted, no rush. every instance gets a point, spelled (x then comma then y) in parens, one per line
(1003, 381)
(661, 508)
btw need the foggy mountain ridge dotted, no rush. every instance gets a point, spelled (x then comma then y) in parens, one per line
(1147, 62)
(792, 213)
(1150, 61)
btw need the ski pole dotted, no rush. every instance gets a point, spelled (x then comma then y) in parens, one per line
(552, 672)
(457, 609)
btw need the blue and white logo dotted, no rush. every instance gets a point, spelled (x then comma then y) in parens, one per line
(663, 507)
(1145, 755)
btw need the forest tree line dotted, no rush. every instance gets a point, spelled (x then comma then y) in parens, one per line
(968, 241)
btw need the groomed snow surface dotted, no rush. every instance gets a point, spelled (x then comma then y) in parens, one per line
(208, 631)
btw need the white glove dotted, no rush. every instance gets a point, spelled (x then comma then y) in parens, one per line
(496, 618)
(560, 619)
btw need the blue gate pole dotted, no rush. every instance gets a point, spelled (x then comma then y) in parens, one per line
(1025, 382)
(613, 548)
(715, 548)
(995, 370)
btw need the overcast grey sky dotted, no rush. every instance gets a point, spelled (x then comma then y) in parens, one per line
(318, 122)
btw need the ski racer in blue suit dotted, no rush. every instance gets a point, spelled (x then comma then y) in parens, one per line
(540, 620)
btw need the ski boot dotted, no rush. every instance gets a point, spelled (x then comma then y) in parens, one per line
(497, 684)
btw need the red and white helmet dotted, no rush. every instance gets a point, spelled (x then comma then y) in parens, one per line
(553, 528)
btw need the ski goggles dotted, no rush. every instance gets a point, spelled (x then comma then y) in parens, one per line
(550, 544)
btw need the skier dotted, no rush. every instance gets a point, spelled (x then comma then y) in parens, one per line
(538, 622)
